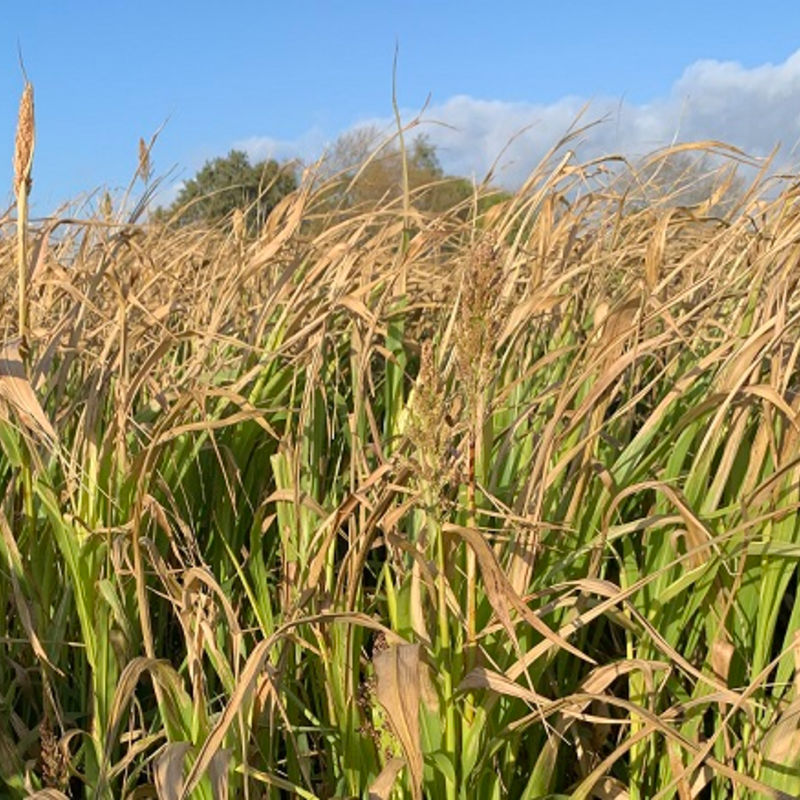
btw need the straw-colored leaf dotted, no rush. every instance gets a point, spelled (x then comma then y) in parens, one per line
(381, 788)
(16, 391)
(502, 596)
(168, 772)
(218, 774)
(397, 671)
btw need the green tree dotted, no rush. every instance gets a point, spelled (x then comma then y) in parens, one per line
(226, 184)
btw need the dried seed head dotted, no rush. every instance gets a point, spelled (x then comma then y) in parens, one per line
(238, 225)
(480, 314)
(53, 762)
(23, 148)
(427, 431)
(144, 160)
(107, 206)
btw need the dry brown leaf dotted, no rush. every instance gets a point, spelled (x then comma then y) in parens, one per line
(218, 773)
(397, 671)
(248, 678)
(16, 390)
(721, 656)
(327, 531)
(771, 395)
(358, 308)
(381, 787)
(168, 770)
(419, 622)
(781, 745)
(522, 313)
(39, 257)
(675, 756)
(656, 248)
(482, 678)
(610, 789)
(502, 596)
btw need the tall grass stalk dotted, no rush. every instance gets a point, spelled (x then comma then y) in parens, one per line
(23, 167)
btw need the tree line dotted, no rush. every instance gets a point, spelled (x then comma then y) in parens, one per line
(362, 171)
(359, 172)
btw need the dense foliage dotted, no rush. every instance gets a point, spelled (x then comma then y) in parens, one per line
(224, 185)
(406, 503)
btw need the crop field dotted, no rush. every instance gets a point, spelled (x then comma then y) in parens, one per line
(496, 502)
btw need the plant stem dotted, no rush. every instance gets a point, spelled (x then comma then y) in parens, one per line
(22, 285)
(445, 655)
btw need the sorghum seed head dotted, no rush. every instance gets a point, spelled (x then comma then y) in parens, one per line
(23, 147)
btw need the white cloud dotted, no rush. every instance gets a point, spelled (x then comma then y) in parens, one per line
(749, 108)
(308, 147)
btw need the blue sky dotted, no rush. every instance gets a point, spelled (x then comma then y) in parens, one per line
(283, 79)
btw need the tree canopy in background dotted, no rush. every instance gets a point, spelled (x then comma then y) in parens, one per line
(371, 172)
(363, 170)
(229, 183)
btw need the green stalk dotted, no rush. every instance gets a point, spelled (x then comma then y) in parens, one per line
(444, 650)
(471, 571)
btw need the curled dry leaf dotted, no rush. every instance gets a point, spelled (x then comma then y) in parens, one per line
(17, 393)
(381, 787)
(502, 596)
(218, 773)
(168, 773)
(397, 670)
(781, 745)
(721, 655)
